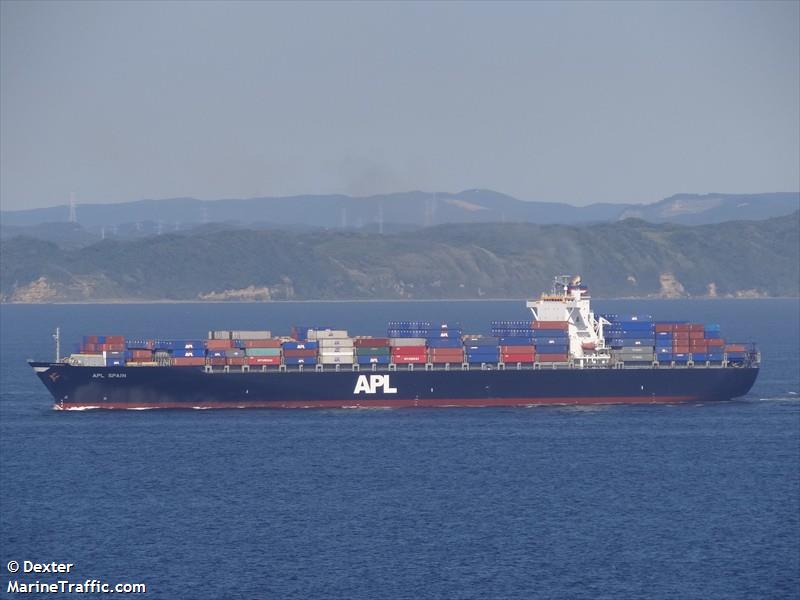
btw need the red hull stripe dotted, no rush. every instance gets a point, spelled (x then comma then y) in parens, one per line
(388, 403)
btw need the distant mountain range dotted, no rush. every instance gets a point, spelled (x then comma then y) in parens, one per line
(745, 258)
(392, 211)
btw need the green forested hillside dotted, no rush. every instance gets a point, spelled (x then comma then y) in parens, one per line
(627, 258)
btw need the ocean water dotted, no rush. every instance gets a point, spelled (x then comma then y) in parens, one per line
(686, 501)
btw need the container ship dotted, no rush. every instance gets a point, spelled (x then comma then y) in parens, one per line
(564, 354)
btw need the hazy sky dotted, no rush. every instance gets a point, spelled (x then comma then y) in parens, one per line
(573, 102)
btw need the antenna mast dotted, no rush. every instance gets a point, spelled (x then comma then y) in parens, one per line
(57, 338)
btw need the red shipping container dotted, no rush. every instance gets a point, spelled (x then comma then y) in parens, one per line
(142, 353)
(263, 360)
(552, 357)
(235, 361)
(371, 342)
(517, 349)
(444, 351)
(409, 350)
(307, 353)
(408, 358)
(681, 327)
(735, 348)
(517, 358)
(89, 348)
(91, 339)
(697, 335)
(697, 327)
(680, 349)
(219, 344)
(217, 361)
(115, 339)
(562, 325)
(664, 327)
(716, 342)
(440, 360)
(261, 343)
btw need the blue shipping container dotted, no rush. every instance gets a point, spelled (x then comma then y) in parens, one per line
(444, 343)
(300, 360)
(300, 345)
(373, 360)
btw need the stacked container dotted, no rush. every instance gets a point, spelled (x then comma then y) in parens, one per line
(372, 351)
(551, 341)
(261, 352)
(407, 341)
(300, 353)
(481, 350)
(632, 338)
(335, 346)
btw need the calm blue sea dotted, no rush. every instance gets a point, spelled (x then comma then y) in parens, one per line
(689, 501)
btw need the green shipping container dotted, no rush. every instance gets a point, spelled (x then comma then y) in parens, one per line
(376, 351)
(262, 351)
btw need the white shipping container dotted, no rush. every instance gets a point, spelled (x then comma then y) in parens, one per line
(336, 352)
(326, 359)
(336, 343)
(219, 335)
(251, 335)
(406, 341)
(88, 360)
(321, 334)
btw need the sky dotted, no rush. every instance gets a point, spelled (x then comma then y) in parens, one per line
(568, 102)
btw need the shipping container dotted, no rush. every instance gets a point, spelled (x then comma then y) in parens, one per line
(409, 358)
(336, 343)
(263, 343)
(373, 360)
(445, 343)
(408, 350)
(373, 351)
(183, 361)
(517, 357)
(299, 353)
(218, 344)
(262, 351)
(88, 360)
(370, 342)
(263, 360)
(312, 345)
(326, 334)
(219, 335)
(251, 335)
(547, 358)
(300, 360)
(411, 341)
(517, 349)
(335, 359)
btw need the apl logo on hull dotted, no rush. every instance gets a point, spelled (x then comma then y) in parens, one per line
(369, 384)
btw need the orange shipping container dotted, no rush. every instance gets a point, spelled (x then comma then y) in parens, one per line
(219, 344)
(188, 361)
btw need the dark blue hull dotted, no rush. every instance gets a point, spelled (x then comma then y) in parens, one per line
(191, 387)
